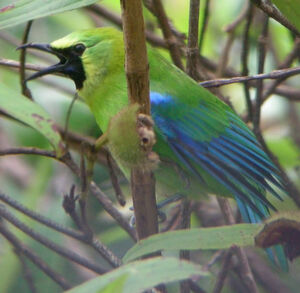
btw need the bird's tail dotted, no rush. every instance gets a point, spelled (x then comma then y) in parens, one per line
(276, 253)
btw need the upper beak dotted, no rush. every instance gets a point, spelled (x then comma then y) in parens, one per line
(51, 69)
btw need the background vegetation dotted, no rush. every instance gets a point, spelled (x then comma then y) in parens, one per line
(233, 37)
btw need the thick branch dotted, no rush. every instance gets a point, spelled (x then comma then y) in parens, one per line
(137, 74)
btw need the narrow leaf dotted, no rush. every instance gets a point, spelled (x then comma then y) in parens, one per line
(32, 114)
(290, 9)
(25, 10)
(141, 275)
(203, 238)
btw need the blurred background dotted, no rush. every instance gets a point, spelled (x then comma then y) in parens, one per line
(40, 183)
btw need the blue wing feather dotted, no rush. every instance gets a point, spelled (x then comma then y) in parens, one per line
(223, 148)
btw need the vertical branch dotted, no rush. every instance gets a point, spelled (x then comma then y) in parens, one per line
(167, 32)
(204, 24)
(25, 90)
(192, 59)
(244, 57)
(261, 63)
(137, 74)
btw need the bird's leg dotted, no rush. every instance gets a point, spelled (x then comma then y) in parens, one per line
(101, 141)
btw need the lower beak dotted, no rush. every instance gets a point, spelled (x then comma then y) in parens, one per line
(57, 68)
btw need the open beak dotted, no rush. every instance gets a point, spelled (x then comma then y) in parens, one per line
(69, 64)
(57, 68)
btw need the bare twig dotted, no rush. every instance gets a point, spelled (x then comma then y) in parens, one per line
(117, 20)
(225, 54)
(232, 26)
(245, 270)
(25, 91)
(204, 24)
(67, 253)
(244, 58)
(264, 274)
(261, 63)
(167, 32)
(272, 12)
(26, 270)
(185, 224)
(34, 258)
(114, 180)
(41, 219)
(276, 74)
(271, 88)
(223, 272)
(192, 51)
(108, 205)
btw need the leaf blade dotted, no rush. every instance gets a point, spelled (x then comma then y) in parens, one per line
(25, 10)
(32, 114)
(204, 238)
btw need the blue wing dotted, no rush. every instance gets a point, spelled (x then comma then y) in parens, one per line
(220, 147)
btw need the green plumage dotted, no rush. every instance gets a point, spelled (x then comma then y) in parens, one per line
(203, 146)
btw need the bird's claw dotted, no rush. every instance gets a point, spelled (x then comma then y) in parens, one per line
(146, 133)
(145, 130)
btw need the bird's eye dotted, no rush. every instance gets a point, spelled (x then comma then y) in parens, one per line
(79, 49)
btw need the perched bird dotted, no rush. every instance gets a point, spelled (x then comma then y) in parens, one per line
(203, 146)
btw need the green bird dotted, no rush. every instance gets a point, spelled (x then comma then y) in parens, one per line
(203, 146)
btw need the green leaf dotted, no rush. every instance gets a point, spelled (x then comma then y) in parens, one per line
(141, 275)
(290, 9)
(203, 238)
(25, 10)
(116, 286)
(286, 151)
(32, 114)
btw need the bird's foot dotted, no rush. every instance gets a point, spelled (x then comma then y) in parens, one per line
(146, 133)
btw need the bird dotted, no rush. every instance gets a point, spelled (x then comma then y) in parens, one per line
(203, 146)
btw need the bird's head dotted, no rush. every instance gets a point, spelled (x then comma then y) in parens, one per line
(83, 55)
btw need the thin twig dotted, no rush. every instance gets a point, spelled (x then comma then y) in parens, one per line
(244, 58)
(270, 280)
(30, 254)
(245, 270)
(26, 270)
(262, 42)
(117, 20)
(185, 224)
(103, 199)
(204, 25)
(25, 91)
(168, 34)
(41, 219)
(114, 180)
(276, 74)
(224, 58)
(272, 12)
(67, 253)
(232, 26)
(69, 205)
(223, 272)
(285, 64)
(108, 205)
(12, 64)
(192, 50)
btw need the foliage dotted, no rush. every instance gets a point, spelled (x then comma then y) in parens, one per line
(39, 183)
